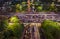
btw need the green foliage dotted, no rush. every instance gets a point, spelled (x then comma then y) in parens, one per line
(3, 23)
(39, 8)
(12, 29)
(14, 19)
(52, 7)
(18, 8)
(24, 5)
(36, 3)
(21, 7)
(51, 29)
(15, 27)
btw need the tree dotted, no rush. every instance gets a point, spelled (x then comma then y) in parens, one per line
(18, 8)
(16, 27)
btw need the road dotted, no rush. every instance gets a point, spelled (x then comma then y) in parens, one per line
(31, 33)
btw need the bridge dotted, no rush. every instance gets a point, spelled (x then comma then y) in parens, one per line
(36, 18)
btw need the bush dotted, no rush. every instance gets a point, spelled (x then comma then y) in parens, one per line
(18, 8)
(14, 19)
(39, 8)
(3, 25)
(12, 29)
(3, 22)
(52, 7)
(16, 27)
(51, 29)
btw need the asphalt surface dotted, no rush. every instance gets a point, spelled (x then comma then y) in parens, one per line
(31, 33)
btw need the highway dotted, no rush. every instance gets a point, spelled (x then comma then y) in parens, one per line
(31, 32)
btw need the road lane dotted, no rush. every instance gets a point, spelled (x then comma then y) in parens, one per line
(31, 32)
